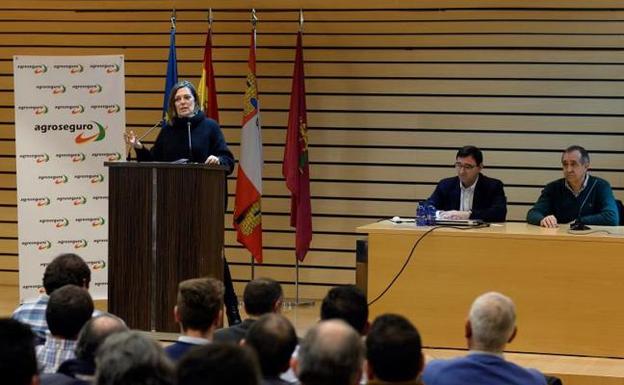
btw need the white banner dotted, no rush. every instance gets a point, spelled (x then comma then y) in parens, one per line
(69, 120)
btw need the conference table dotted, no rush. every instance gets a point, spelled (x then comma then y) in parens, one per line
(567, 286)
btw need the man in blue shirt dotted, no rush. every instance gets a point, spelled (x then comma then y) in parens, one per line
(65, 269)
(491, 325)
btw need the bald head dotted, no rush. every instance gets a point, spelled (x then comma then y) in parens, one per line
(492, 322)
(93, 334)
(331, 353)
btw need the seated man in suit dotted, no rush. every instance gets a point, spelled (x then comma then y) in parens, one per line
(261, 296)
(491, 325)
(470, 195)
(576, 196)
(198, 311)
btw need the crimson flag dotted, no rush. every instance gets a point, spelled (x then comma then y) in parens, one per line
(295, 167)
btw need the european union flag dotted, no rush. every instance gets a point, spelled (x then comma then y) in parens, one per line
(172, 71)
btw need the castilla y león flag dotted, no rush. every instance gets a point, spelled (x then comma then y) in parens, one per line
(295, 167)
(247, 208)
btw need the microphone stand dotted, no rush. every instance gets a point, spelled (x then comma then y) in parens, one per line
(188, 130)
(158, 124)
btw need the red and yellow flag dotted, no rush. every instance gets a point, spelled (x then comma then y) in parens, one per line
(247, 207)
(207, 90)
(295, 167)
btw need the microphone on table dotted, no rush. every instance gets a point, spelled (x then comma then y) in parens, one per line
(577, 224)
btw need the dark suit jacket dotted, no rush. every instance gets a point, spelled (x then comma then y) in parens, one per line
(234, 334)
(489, 202)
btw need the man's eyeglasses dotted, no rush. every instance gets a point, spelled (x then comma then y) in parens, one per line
(465, 166)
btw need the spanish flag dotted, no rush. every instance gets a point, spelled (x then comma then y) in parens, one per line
(207, 90)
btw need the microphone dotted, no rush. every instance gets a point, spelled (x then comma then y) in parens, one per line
(158, 124)
(578, 225)
(188, 128)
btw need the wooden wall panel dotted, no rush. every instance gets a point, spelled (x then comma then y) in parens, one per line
(394, 88)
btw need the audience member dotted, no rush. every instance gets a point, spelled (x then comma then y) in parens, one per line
(331, 353)
(347, 303)
(274, 339)
(81, 370)
(393, 351)
(219, 363)
(470, 194)
(198, 311)
(578, 196)
(261, 296)
(69, 308)
(18, 363)
(490, 326)
(130, 358)
(65, 269)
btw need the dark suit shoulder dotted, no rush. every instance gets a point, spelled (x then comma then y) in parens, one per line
(488, 180)
(233, 333)
(449, 181)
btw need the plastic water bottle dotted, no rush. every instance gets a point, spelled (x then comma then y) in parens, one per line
(431, 215)
(421, 214)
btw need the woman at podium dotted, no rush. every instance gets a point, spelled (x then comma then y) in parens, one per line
(187, 135)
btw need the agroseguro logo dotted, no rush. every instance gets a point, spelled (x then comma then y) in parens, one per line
(108, 68)
(110, 156)
(38, 201)
(75, 200)
(56, 179)
(109, 108)
(71, 68)
(73, 109)
(37, 110)
(91, 88)
(38, 158)
(81, 138)
(55, 89)
(37, 69)
(56, 222)
(75, 157)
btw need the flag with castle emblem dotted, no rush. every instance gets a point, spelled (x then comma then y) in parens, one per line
(247, 208)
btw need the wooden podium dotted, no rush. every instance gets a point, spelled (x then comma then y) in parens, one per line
(165, 226)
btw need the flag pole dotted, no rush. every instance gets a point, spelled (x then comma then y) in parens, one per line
(298, 301)
(254, 21)
(297, 298)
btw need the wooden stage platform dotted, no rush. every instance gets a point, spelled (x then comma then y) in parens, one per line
(572, 370)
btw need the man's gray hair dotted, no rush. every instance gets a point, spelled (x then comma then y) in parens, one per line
(331, 353)
(130, 358)
(492, 320)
